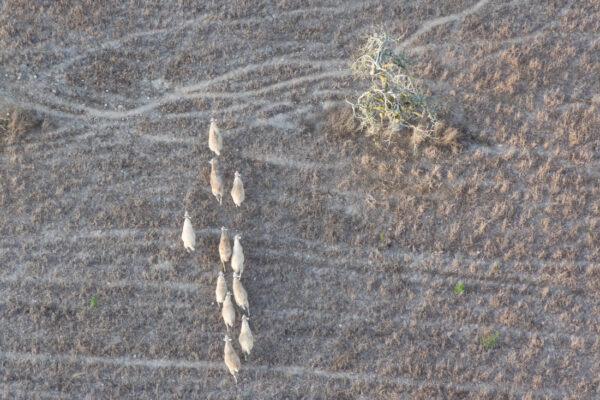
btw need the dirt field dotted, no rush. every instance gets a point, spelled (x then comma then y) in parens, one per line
(353, 248)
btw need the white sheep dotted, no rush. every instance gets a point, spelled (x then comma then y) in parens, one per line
(237, 191)
(215, 140)
(228, 311)
(224, 247)
(216, 180)
(188, 235)
(232, 361)
(221, 290)
(246, 339)
(237, 257)
(239, 294)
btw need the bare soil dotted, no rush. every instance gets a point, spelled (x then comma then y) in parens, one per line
(353, 246)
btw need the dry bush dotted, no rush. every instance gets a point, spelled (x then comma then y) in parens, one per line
(393, 103)
(14, 123)
(447, 136)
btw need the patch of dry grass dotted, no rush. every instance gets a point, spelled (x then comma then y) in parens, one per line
(341, 123)
(14, 124)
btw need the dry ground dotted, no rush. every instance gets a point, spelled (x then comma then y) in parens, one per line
(353, 249)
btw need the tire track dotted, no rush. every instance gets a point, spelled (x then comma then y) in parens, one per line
(206, 19)
(361, 257)
(323, 267)
(14, 389)
(194, 91)
(127, 362)
(429, 25)
(417, 282)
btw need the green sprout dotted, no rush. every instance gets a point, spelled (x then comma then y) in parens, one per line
(489, 341)
(93, 302)
(495, 268)
(459, 288)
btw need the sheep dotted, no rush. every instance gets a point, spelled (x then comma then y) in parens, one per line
(246, 339)
(215, 140)
(228, 311)
(239, 294)
(237, 257)
(224, 247)
(188, 235)
(232, 361)
(237, 191)
(216, 180)
(221, 290)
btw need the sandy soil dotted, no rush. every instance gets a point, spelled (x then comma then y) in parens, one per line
(353, 248)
